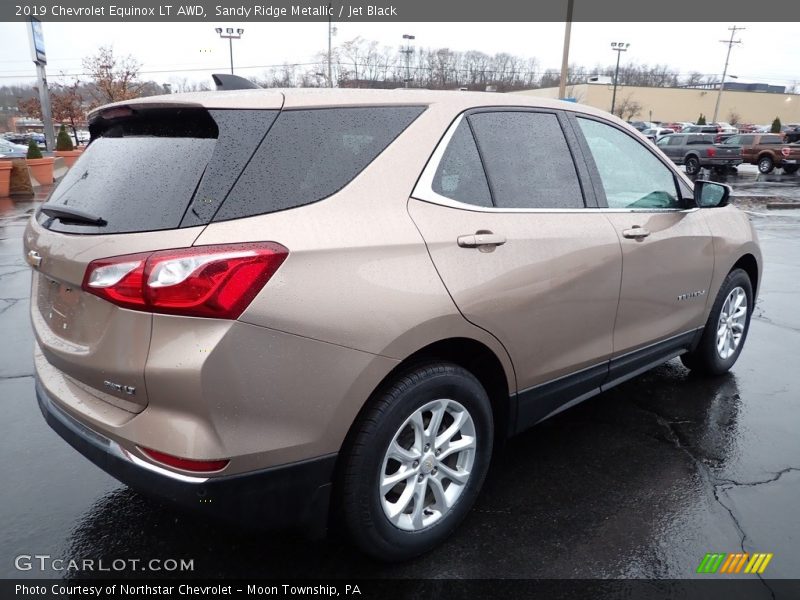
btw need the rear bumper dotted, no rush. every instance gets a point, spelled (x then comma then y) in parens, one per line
(294, 495)
(720, 162)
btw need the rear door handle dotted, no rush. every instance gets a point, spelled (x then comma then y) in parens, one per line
(481, 239)
(636, 233)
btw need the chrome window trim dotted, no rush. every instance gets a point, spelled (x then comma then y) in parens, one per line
(423, 190)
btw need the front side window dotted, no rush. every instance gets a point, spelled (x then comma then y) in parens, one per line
(632, 176)
(676, 140)
(527, 160)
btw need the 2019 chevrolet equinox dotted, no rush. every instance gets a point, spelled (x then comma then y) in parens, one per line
(333, 304)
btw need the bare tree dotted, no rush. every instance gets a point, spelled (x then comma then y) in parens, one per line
(627, 108)
(734, 117)
(112, 78)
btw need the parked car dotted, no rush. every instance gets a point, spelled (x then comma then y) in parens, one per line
(792, 135)
(675, 126)
(305, 306)
(656, 133)
(700, 129)
(9, 150)
(641, 125)
(698, 150)
(767, 151)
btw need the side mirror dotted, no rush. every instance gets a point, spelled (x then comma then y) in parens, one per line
(709, 194)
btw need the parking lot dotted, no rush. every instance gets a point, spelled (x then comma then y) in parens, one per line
(641, 481)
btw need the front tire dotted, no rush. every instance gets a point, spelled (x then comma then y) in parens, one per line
(726, 329)
(417, 461)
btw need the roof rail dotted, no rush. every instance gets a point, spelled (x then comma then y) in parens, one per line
(226, 81)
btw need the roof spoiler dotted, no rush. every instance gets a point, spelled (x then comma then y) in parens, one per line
(225, 81)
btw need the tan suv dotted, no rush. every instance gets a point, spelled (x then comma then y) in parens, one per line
(317, 307)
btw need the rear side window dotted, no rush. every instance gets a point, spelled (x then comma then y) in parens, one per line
(771, 139)
(143, 167)
(311, 154)
(460, 174)
(528, 162)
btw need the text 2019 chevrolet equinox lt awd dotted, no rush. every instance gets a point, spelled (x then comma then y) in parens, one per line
(329, 306)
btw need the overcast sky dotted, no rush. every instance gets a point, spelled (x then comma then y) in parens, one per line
(770, 52)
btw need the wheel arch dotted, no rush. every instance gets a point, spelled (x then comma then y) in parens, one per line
(749, 265)
(469, 353)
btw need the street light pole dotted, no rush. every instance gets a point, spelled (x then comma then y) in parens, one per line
(230, 36)
(408, 51)
(619, 48)
(730, 43)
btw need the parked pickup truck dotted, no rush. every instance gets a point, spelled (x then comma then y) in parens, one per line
(697, 150)
(767, 150)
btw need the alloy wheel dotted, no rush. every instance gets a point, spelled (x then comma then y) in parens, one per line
(427, 465)
(731, 324)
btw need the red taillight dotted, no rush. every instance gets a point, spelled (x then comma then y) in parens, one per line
(710, 151)
(202, 281)
(187, 464)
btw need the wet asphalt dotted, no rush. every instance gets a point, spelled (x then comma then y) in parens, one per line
(641, 481)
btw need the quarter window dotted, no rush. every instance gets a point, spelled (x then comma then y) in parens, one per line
(632, 176)
(460, 174)
(528, 162)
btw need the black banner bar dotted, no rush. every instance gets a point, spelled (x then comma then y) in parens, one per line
(711, 588)
(729, 11)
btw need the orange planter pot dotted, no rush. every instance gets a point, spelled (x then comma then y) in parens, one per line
(42, 169)
(69, 156)
(5, 177)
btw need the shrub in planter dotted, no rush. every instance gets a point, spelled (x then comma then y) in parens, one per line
(33, 150)
(65, 149)
(63, 141)
(40, 167)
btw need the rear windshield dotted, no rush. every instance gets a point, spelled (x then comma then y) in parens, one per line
(159, 169)
(142, 169)
(311, 154)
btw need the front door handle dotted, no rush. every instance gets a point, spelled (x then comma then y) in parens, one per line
(636, 233)
(483, 240)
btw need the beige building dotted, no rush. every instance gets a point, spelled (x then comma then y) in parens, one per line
(684, 104)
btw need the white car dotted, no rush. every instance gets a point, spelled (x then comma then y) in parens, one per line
(656, 133)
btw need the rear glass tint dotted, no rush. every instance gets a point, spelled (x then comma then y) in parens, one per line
(142, 170)
(311, 154)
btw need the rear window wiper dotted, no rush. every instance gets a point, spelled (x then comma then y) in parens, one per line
(67, 213)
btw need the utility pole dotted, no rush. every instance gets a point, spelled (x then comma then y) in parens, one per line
(330, 35)
(408, 51)
(619, 48)
(730, 43)
(562, 84)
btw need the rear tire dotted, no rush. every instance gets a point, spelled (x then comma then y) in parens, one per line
(726, 329)
(417, 461)
(692, 165)
(790, 169)
(765, 165)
